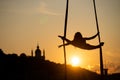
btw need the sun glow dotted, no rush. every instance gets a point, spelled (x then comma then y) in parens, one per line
(75, 61)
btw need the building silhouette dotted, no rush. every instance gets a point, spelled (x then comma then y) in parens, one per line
(38, 53)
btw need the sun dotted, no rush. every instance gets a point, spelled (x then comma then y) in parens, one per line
(75, 61)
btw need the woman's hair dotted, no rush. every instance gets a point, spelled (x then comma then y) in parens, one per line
(77, 36)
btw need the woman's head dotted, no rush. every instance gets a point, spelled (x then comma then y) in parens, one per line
(77, 36)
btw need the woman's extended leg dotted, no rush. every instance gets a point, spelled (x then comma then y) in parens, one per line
(90, 47)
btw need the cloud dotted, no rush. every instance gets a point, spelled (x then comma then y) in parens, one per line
(95, 68)
(117, 69)
(27, 7)
(112, 67)
(44, 9)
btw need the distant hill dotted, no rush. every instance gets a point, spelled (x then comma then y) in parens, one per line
(13, 67)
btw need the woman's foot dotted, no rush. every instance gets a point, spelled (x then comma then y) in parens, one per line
(102, 43)
(61, 37)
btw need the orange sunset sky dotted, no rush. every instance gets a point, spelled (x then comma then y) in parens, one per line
(24, 23)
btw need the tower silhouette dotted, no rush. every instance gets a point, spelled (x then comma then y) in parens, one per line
(32, 53)
(43, 54)
(37, 52)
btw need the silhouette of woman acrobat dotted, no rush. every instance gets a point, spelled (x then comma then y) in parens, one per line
(80, 42)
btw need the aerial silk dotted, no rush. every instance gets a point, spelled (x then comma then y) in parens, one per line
(101, 58)
(65, 30)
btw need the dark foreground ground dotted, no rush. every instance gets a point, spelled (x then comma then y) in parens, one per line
(13, 67)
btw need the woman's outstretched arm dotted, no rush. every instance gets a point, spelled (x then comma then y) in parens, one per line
(89, 38)
(67, 40)
(63, 38)
(63, 45)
